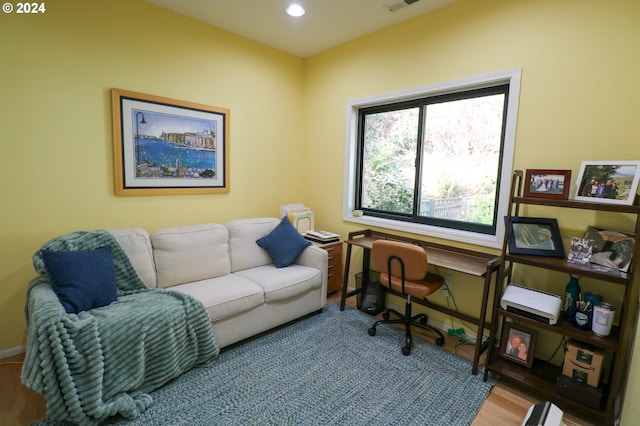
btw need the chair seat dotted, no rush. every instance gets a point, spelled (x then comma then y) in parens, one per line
(430, 284)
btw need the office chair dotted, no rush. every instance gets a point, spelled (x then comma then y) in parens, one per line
(403, 270)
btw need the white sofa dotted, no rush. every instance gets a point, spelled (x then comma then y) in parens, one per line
(222, 266)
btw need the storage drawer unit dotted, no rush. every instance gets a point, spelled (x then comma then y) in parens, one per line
(334, 273)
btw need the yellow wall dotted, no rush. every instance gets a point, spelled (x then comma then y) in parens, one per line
(56, 165)
(578, 102)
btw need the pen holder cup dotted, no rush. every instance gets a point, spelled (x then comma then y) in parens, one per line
(584, 318)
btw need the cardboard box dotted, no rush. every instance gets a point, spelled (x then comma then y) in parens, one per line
(583, 363)
(579, 392)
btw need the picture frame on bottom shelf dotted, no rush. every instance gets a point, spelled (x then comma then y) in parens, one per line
(535, 236)
(518, 344)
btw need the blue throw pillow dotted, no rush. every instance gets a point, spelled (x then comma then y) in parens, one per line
(82, 279)
(283, 244)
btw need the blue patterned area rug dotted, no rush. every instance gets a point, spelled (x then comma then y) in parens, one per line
(323, 370)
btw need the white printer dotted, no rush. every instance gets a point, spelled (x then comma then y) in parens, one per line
(532, 304)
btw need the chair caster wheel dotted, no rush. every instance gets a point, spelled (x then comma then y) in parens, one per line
(439, 341)
(385, 316)
(423, 321)
(406, 350)
(372, 331)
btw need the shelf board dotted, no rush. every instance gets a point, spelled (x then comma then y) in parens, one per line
(585, 205)
(568, 329)
(561, 265)
(541, 379)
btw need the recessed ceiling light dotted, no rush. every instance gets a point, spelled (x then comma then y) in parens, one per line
(295, 10)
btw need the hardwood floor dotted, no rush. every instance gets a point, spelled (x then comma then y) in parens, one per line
(505, 405)
(19, 405)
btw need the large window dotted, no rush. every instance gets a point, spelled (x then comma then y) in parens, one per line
(435, 160)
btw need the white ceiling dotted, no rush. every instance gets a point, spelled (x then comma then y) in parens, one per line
(327, 23)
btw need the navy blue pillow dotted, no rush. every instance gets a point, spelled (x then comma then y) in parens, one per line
(283, 244)
(82, 279)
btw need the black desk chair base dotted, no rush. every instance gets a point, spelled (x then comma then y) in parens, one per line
(419, 320)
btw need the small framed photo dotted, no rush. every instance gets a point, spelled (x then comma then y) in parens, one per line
(518, 344)
(611, 182)
(580, 251)
(535, 236)
(611, 249)
(543, 183)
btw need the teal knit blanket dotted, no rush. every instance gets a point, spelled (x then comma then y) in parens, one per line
(105, 361)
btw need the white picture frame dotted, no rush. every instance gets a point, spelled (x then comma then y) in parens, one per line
(609, 182)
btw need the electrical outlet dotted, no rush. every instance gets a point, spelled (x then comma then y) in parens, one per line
(447, 282)
(445, 292)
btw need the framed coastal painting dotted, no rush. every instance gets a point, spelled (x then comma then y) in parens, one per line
(544, 183)
(611, 182)
(535, 236)
(168, 146)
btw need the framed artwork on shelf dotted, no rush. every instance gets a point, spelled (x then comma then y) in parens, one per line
(611, 182)
(535, 236)
(580, 251)
(167, 146)
(518, 344)
(544, 183)
(611, 249)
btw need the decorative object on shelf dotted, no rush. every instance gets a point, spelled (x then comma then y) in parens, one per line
(518, 344)
(611, 182)
(584, 315)
(580, 251)
(167, 146)
(612, 249)
(544, 183)
(602, 319)
(535, 236)
(571, 298)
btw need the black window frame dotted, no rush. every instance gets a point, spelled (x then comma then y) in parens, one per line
(421, 103)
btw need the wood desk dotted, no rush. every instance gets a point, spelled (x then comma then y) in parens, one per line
(477, 264)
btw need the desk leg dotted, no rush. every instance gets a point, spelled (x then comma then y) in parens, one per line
(345, 279)
(481, 322)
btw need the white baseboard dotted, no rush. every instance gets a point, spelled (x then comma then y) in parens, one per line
(12, 352)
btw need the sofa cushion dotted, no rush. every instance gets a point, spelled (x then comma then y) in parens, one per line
(283, 283)
(82, 279)
(137, 246)
(284, 243)
(225, 296)
(190, 253)
(243, 250)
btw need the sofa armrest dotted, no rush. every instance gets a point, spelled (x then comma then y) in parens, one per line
(318, 258)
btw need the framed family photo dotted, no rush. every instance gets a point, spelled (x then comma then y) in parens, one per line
(168, 146)
(518, 344)
(611, 182)
(544, 183)
(535, 236)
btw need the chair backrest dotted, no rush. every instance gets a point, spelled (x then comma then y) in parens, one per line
(414, 258)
